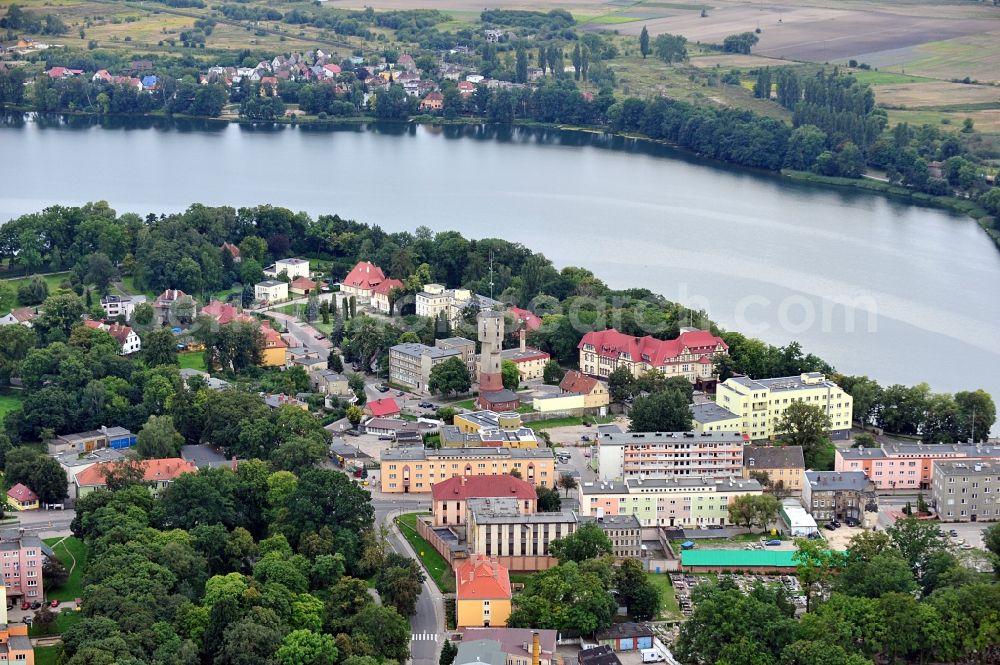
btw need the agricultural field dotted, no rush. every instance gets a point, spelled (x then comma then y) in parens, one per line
(936, 94)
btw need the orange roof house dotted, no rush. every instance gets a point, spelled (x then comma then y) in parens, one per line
(482, 593)
(302, 286)
(157, 473)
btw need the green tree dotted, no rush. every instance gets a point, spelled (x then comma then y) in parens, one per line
(159, 347)
(882, 574)
(548, 499)
(399, 582)
(158, 439)
(621, 384)
(450, 378)
(644, 43)
(754, 510)
(666, 411)
(143, 314)
(448, 652)
(976, 415)
(567, 482)
(917, 540)
(587, 542)
(553, 373)
(670, 48)
(60, 313)
(563, 598)
(510, 374)
(305, 647)
(805, 425)
(354, 414)
(815, 565)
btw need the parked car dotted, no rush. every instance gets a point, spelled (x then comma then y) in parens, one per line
(425, 405)
(836, 523)
(815, 535)
(850, 521)
(319, 336)
(25, 605)
(382, 388)
(35, 605)
(585, 438)
(829, 526)
(385, 437)
(953, 533)
(400, 393)
(774, 542)
(27, 620)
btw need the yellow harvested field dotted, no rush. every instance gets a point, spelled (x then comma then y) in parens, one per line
(935, 94)
(986, 122)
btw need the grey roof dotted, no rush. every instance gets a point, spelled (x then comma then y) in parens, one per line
(783, 383)
(203, 455)
(710, 412)
(506, 510)
(599, 655)
(609, 522)
(482, 418)
(604, 430)
(500, 396)
(629, 629)
(939, 450)
(516, 353)
(455, 341)
(73, 458)
(416, 349)
(512, 640)
(837, 481)
(966, 468)
(270, 282)
(293, 262)
(773, 457)
(633, 438)
(419, 453)
(485, 652)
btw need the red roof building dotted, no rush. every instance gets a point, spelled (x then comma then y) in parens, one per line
(233, 250)
(576, 382)
(20, 497)
(690, 355)
(157, 472)
(224, 312)
(528, 319)
(302, 285)
(380, 294)
(481, 578)
(448, 496)
(362, 280)
(382, 408)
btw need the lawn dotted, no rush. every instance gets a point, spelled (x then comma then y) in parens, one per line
(669, 610)
(47, 655)
(53, 280)
(67, 551)
(435, 565)
(9, 400)
(826, 457)
(872, 77)
(192, 360)
(469, 404)
(569, 421)
(63, 621)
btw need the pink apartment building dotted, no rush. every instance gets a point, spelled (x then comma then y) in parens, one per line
(907, 465)
(21, 554)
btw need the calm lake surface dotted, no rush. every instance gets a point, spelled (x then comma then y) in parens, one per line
(762, 255)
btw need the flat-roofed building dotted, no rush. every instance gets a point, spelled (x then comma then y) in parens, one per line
(669, 454)
(410, 363)
(415, 470)
(897, 465)
(966, 491)
(497, 527)
(761, 403)
(710, 417)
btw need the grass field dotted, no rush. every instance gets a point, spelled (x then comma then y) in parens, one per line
(53, 280)
(569, 421)
(192, 360)
(669, 610)
(613, 19)
(47, 655)
(872, 77)
(69, 550)
(435, 565)
(63, 621)
(938, 94)
(9, 400)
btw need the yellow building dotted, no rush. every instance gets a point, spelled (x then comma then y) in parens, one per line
(710, 417)
(784, 465)
(406, 470)
(275, 351)
(482, 593)
(760, 404)
(20, 497)
(530, 362)
(595, 393)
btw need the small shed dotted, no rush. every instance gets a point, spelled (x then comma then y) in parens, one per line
(627, 636)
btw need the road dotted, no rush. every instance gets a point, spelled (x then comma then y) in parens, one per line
(43, 523)
(427, 625)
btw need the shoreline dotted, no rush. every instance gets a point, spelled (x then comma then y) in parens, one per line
(967, 208)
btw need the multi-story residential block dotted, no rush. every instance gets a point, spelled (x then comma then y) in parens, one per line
(761, 403)
(482, 593)
(415, 470)
(436, 301)
(123, 306)
(966, 491)
(497, 527)
(294, 268)
(783, 465)
(448, 497)
(22, 557)
(684, 502)
(831, 495)
(270, 290)
(530, 362)
(15, 645)
(669, 454)
(897, 465)
(710, 417)
(360, 283)
(410, 364)
(624, 532)
(466, 350)
(691, 355)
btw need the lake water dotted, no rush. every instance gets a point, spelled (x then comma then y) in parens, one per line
(761, 254)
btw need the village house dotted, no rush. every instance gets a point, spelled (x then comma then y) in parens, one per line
(525, 319)
(595, 392)
(302, 286)
(128, 340)
(530, 362)
(20, 497)
(173, 303)
(19, 316)
(380, 295)
(276, 401)
(157, 474)
(270, 291)
(382, 408)
(275, 351)
(124, 306)
(291, 267)
(434, 101)
(233, 250)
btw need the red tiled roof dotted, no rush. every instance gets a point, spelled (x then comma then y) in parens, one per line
(365, 276)
(23, 313)
(382, 407)
(529, 319)
(332, 68)
(386, 286)
(656, 352)
(575, 382)
(93, 325)
(153, 470)
(233, 250)
(482, 578)
(460, 488)
(21, 493)
(119, 332)
(303, 283)
(170, 295)
(272, 338)
(223, 312)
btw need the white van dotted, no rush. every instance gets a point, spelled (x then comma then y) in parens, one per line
(652, 656)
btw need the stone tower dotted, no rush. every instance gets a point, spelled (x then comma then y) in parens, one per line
(491, 342)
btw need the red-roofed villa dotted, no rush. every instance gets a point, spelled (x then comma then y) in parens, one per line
(690, 355)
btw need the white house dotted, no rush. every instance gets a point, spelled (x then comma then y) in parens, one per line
(271, 290)
(121, 305)
(291, 267)
(19, 316)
